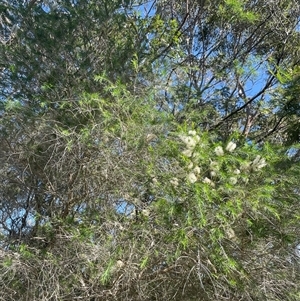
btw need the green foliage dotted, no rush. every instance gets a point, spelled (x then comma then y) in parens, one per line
(149, 152)
(235, 9)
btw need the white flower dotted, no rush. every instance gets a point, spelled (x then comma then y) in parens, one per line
(174, 182)
(197, 170)
(231, 146)
(256, 160)
(262, 163)
(258, 163)
(190, 166)
(119, 263)
(213, 173)
(196, 155)
(188, 152)
(192, 133)
(154, 181)
(219, 151)
(189, 141)
(232, 180)
(192, 178)
(208, 181)
(230, 233)
(184, 138)
(237, 172)
(146, 212)
(150, 137)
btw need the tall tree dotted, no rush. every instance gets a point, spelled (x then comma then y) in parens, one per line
(149, 150)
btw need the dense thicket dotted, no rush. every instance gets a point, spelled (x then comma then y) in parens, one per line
(149, 150)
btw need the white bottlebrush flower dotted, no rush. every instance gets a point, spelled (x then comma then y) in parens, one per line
(219, 151)
(120, 264)
(188, 140)
(256, 160)
(208, 181)
(262, 163)
(146, 212)
(230, 146)
(150, 137)
(154, 181)
(258, 163)
(190, 166)
(192, 133)
(184, 138)
(230, 233)
(213, 173)
(196, 155)
(188, 152)
(237, 172)
(191, 177)
(197, 170)
(174, 182)
(232, 180)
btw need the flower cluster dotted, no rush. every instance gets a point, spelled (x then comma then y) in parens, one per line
(190, 143)
(231, 146)
(257, 164)
(233, 173)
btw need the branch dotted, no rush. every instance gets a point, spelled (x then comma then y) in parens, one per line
(268, 84)
(170, 45)
(272, 131)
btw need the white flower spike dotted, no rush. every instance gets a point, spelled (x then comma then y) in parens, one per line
(237, 172)
(231, 146)
(208, 181)
(219, 151)
(190, 166)
(192, 133)
(197, 170)
(174, 182)
(192, 178)
(258, 163)
(232, 180)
